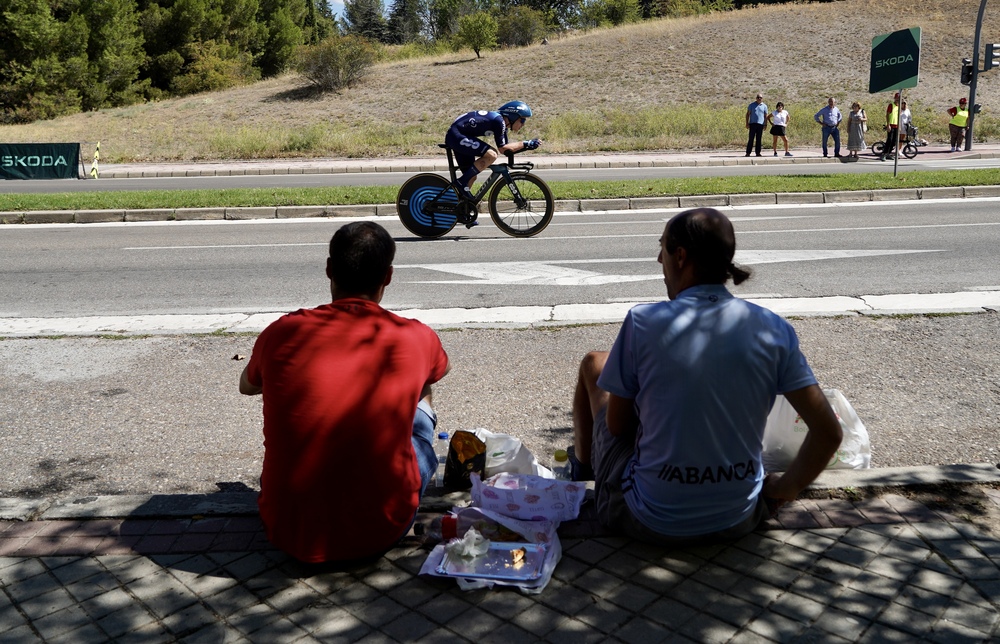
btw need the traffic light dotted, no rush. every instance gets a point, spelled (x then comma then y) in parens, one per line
(967, 71)
(992, 57)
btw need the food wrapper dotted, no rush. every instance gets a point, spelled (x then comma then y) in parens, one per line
(470, 546)
(525, 496)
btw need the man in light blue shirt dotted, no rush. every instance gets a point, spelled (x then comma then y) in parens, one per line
(756, 117)
(829, 117)
(672, 418)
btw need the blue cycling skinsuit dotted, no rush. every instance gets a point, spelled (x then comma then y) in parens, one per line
(463, 141)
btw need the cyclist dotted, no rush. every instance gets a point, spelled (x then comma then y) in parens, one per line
(473, 155)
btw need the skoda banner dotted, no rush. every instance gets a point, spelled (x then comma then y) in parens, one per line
(895, 61)
(39, 160)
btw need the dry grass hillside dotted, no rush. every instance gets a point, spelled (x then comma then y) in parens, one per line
(797, 53)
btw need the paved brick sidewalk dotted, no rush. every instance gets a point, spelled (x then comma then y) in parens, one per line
(882, 569)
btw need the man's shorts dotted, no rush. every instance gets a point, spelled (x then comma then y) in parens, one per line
(609, 456)
(466, 149)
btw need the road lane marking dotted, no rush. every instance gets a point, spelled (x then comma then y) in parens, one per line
(557, 273)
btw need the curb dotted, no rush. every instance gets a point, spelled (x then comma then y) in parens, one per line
(568, 205)
(245, 503)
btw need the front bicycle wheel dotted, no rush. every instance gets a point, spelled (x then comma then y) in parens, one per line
(909, 150)
(416, 201)
(878, 146)
(522, 206)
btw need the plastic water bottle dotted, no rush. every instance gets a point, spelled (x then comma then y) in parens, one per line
(561, 467)
(441, 451)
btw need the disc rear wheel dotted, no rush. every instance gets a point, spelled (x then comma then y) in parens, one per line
(415, 205)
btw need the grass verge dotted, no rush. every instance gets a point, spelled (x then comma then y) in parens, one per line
(137, 200)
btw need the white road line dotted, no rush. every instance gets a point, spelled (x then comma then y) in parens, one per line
(557, 273)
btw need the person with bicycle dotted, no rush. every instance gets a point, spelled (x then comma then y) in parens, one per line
(473, 155)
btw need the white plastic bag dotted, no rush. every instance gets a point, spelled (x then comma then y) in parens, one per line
(506, 453)
(785, 432)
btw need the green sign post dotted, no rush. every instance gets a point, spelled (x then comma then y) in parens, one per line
(39, 160)
(895, 66)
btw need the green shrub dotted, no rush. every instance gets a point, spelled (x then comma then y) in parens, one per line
(214, 67)
(520, 26)
(337, 62)
(620, 12)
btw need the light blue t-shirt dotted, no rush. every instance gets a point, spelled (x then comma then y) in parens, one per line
(704, 370)
(758, 112)
(829, 116)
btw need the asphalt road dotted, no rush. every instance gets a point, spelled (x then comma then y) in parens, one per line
(277, 265)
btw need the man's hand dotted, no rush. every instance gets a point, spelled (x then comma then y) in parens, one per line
(532, 144)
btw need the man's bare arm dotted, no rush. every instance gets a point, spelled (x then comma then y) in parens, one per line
(622, 420)
(246, 387)
(822, 440)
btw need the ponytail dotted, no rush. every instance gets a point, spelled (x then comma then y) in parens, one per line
(738, 274)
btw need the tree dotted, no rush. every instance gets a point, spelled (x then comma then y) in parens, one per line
(43, 59)
(477, 31)
(283, 34)
(365, 18)
(443, 18)
(620, 12)
(521, 26)
(407, 20)
(115, 54)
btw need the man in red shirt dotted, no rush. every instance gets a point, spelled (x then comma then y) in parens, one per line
(348, 426)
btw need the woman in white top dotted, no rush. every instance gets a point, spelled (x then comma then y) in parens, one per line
(779, 122)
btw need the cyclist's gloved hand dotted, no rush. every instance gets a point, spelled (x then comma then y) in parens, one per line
(532, 144)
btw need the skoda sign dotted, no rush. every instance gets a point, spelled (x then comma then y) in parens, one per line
(39, 160)
(895, 61)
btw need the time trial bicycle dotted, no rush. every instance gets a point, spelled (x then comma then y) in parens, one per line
(520, 203)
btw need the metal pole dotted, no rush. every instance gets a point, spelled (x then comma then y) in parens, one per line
(899, 130)
(975, 77)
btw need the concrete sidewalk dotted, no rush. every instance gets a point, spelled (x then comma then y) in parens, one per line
(880, 561)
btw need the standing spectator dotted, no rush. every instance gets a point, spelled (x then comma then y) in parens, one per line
(779, 124)
(905, 121)
(891, 129)
(756, 117)
(958, 124)
(857, 124)
(829, 117)
(348, 426)
(671, 420)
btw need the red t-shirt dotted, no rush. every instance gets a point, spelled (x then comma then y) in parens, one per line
(341, 384)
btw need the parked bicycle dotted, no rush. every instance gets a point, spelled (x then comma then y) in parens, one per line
(520, 203)
(909, 144)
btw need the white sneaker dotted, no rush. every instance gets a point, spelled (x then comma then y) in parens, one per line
(953, 149)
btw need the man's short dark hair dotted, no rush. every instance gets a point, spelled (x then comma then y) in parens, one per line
(360, 256)
(710, 241)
